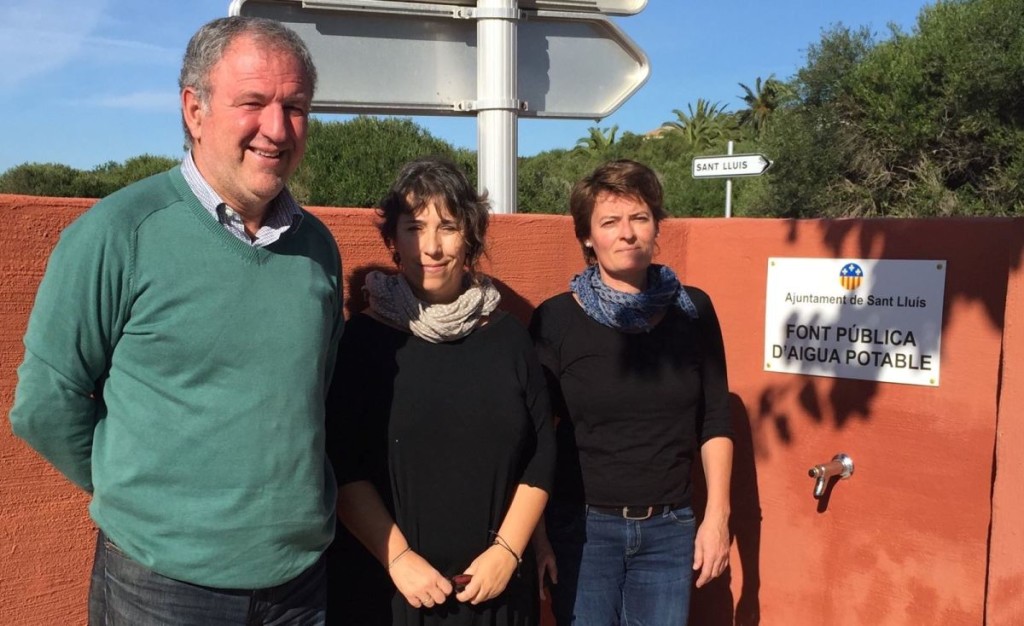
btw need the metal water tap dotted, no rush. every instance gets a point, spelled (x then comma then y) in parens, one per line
(841, 465)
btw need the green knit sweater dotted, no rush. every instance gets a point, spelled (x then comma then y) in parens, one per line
(179, 375)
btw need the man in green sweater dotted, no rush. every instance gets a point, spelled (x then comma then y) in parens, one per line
(179, 350)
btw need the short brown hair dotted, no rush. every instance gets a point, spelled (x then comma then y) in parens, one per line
(620, 178)
(438, 179)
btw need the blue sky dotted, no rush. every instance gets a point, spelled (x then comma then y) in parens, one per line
(83, 82)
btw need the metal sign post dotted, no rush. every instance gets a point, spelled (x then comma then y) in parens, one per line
(496, 59)
(728, 186)
(497, 103)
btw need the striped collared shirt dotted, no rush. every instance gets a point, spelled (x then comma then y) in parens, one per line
(282, 212)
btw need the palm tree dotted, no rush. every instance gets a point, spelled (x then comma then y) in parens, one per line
(598, 139)
(702, 127)
(761, 102)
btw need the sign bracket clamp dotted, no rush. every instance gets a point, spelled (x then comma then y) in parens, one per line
(513, 104)
(387, 7)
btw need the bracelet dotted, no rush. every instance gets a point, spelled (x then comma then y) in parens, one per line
(500, 541)
(398, 556)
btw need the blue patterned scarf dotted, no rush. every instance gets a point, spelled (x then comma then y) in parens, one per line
(631, 312)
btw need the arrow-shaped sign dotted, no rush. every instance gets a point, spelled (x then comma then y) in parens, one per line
(730, 166)
(415, 58)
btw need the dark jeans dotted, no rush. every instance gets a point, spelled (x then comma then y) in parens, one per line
(613, 571)
(124, 593)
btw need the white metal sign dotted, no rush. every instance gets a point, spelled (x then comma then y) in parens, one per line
(869, 319)
(730, 166)
(421, 59)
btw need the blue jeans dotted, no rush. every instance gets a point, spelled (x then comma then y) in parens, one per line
(618, 572)
(123, 592)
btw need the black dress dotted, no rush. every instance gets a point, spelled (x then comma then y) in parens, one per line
(446, 432)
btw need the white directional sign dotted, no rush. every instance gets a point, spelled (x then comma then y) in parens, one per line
(421, 59)
(730, 166)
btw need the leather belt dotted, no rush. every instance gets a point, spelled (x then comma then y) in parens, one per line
(636, 511)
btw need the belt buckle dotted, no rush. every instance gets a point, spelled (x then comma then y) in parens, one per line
(647, 515)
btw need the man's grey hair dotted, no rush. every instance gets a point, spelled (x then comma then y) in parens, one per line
(208, 45)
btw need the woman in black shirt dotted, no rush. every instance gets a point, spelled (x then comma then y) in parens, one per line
(636, 367)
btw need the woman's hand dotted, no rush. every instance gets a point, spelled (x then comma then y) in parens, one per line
(421, 584)
(546, 563)
(711, 549)
(491, 572)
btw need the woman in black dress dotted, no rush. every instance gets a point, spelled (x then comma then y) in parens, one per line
(441, 435)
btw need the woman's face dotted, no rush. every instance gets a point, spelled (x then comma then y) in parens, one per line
(622, 235)
(432, 253)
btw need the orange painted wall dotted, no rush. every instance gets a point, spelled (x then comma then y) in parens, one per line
(924, 455)
(972, 425)
(1006, 583)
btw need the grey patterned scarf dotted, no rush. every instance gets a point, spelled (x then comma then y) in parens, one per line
(391, 298)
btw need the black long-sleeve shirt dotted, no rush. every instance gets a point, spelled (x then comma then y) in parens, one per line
(640, 403)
